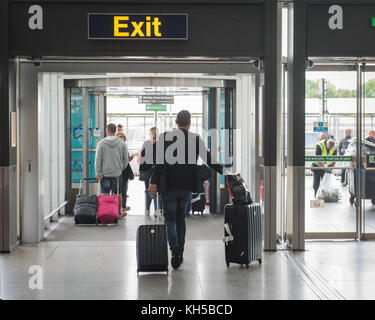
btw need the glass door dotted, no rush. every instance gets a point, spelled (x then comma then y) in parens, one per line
(330, 153)
(367, 149)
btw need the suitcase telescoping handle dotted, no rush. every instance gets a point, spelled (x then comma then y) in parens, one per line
(157, 208)
(81, 183)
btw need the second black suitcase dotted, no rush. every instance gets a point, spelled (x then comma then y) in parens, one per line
(243, 233)
(198, 202)
(86, 207)
(152, 247)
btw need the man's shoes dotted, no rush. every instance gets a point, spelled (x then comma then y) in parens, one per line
(177, 257)
(156, 213)
(147, 212)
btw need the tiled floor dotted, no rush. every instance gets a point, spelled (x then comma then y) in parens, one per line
(336, 217)
(100, 270)
(100, 263)
(107, 270)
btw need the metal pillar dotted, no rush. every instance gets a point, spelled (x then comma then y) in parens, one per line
(8, 154)
(86, 138)
(296, 126)
(270, 125)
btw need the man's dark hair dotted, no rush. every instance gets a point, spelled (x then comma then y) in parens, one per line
(111, 128)
(183, 118)
(119, 125)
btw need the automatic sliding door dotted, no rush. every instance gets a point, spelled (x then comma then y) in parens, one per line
(331, 184)
(368, 153)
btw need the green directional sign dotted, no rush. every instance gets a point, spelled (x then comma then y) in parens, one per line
(328, 158)
(156, 107)
(371, 159)
(373, 22)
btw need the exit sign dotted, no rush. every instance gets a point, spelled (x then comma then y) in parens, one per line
(156, 107)
(373, 22)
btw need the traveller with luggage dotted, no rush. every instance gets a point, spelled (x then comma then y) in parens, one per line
(175, 178)
(111, 159)
(127, 175)
(198, 201)
(147, 161)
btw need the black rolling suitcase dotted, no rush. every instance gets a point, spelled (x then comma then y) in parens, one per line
(198, 202)
(152, 247)
(86, 207)
(243, 233)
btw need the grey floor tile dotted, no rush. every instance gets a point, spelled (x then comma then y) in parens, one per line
(257, 290)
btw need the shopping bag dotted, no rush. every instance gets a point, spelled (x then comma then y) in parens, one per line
(329, 189)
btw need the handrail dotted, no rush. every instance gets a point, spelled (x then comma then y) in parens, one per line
(48, 216)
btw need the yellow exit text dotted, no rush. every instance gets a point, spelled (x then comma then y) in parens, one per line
(148, 28)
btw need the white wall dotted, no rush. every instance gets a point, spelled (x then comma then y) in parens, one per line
(51, 151)
(245, 133)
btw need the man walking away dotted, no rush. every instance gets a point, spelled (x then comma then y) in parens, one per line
(111, 159)
(343, 145)
(180, 178)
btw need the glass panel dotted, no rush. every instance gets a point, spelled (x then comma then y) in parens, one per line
(76, 136)
(368, 152)
(330, 120)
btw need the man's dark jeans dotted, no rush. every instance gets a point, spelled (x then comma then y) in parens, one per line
(174, 209)
(109, 184)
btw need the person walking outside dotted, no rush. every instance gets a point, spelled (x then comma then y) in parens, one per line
(175, 174)
(111, 159)
(120, 128)
(147, 161)
(323, 148)
(343, 145)
(371, 136)
(127, 175)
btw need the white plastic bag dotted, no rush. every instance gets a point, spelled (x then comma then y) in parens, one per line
(329, 189)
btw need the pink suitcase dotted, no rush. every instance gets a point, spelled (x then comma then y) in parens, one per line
(108, 209)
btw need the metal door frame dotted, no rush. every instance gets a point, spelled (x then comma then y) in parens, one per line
(100, 84)
(359, 66)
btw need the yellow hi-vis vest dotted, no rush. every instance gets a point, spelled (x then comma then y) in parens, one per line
(323, 147)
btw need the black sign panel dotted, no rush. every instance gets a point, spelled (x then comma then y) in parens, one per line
(215, 30)
(138, 27)
(353, 36)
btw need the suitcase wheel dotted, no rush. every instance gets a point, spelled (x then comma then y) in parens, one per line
(228, 264)
(247, 266)
(260, 261)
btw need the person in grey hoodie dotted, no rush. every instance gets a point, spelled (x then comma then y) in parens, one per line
(111, 159)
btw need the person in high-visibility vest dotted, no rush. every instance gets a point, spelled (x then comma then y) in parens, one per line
(323, 148)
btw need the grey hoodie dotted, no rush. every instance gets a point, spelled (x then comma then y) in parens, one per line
(111, 157)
